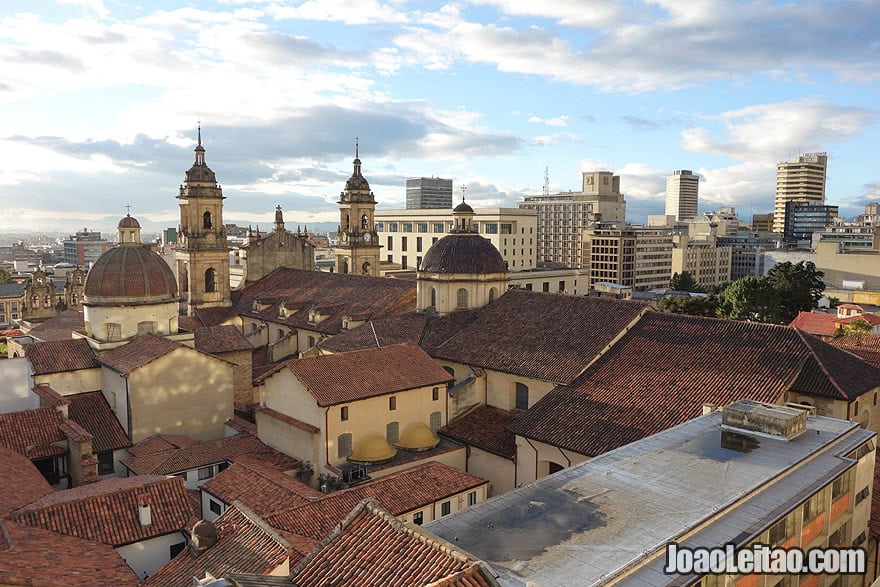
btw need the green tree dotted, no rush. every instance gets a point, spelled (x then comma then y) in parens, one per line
(856, 325)
(694, 306)
(751, 298)
(799, 287)
(4, 276)
(684, 281)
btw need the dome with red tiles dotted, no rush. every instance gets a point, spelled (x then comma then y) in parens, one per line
(130, 272)
(129, 222)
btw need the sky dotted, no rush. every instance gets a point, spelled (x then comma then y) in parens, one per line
(100, 101)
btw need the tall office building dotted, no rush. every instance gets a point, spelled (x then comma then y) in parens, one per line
(428, 193)
(682, 190)
(802, 179)
(83, 248)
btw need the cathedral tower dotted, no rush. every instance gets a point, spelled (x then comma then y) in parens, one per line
(357, 247)
(201, 254)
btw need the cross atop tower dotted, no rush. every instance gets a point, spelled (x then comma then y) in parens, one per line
(128, 209)
(463, 190)
(356, 147)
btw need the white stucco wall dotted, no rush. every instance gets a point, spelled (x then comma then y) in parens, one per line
(148, 556)
(16, 382)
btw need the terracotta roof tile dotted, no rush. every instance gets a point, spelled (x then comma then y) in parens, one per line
(57, 356)
(289, 420)
(552, 337)
(871, 319)
(337, 295)
(485, 428)
(160, 443)
(137, 353)
(398, 493)
(240, 424)
(833, 372)
(24, 430)
(372, 547)
(39, 558)
(221, 339)
(214, 316)
(863, 344)
(199, 454)
(817, 323)
(49, 398)
(107, 511)
(874, 522)
(59, 326)
(91, 411)
(345, 377)
(245, 545)
(21, 483)
(190, 323)
(263, 489)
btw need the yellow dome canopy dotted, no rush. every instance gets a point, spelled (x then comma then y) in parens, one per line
(417, 437)
(372, 449)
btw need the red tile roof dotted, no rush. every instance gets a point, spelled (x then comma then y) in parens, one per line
(21, 483)
(874, 522)
(57, 356)
(372, 547)
(137, 353)
(49, 398)
(27, 429)
(39, 558)
(91, 411)
(221, 339)
(346, 377)
(246, 544)
(199, 454)
(399, 493)
(817, 323)
(552, 337)
(289, 420)
(240, 424)
(107, 511)
(335, 295)
(59, 326)
(485, 428)
(214, 316)
(262, 489)
(863, 344)
(159, 443)
(871, 319)
(663, 370)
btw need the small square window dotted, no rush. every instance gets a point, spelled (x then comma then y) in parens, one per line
(445, 508)
(105, 463)
(418, 518)
(472, 498)
(206, 473)
(215, 507)
(392, 403)
(435, 394)
(343, 413)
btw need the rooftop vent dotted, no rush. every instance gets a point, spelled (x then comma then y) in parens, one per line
(762, 418)
(144, 514)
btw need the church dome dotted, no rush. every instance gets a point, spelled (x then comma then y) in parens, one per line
(129, 222)
(372, 449)
(463, 207)
(357, 182)
(130, 271)
(463, 253)
(417, 437)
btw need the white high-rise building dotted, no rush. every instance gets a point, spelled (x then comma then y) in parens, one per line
(800, 180)
(682, 192)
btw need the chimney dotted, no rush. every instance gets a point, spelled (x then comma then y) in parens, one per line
(144, 514)
(762, 418)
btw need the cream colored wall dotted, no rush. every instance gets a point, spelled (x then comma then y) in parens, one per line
(284, 393)
(148, 556)
(295, 442)
(866, 409)
(851, 266)
(71, 382)
(184, 392)
(478, 287)
(502, 389)
(128, 317)
(457, 502)
(500, 472)
(113, 386)
(371, 416)
(532, 458)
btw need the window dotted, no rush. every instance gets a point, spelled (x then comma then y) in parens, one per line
(403, 261)
(490, 228)
(423, 227)
(380, 227)
(840, 486)
(210, 280)
(114, 331)
(222, 466)
(390, 246)
(528, 287)
(280, 334)
(781, 531)
(105, 463)
(311, 341)
(418, 518)
(407, 227)
(145, 327)
(814, 506)
(472, 498)
(343, 446)
(433, 298)
(364, 222)
(418, 244)
(206, 473)
(506, 229)
(403, 243)
(176, 549)
(435, 421)
(418, 261)
(206, 220)
(561, 286)
(215, 507)
(343, 413)
(461, 299)
(545, 286)
(491, 295)
(392, 432)
(435, 394)
(438, 227)
(445, 508)
(392, 403)
(862, 495)
(522, 397)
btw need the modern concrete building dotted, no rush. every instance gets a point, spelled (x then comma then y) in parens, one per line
(636, 258)
(682, 192)
(83, 248)
(802, 179)
(802, 219)
(708, 263)
(762, 222)
(747, 253)
(751, 474)
(428, 193)
(406, 235)
(563, 217)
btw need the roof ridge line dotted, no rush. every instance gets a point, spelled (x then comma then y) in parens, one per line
(822, 365)
(262, 524)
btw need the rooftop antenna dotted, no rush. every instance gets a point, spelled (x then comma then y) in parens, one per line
(546, 180)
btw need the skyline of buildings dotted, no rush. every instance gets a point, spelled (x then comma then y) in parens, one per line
(800, 180)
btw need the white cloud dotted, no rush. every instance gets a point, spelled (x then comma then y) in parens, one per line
(345, 11)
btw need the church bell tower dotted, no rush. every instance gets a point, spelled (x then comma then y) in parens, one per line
(357, 242)
(201, 254)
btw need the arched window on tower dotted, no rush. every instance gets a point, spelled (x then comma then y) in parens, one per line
(461, 299)
(492, 295)
(433, 298)
(347, 221)
(364, 225)
(207, 221)
(210, 278)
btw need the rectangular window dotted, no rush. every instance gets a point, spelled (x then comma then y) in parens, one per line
(439, 228)
(105, 463)
(206, 473)
(545, 286)
(435, 394)
(418, 244)
(561, 286)
(403, 261)
(343, 445)
(418, 518)
(418, 261)
(392, 432)
(390, 258)
(407, 227)
(490, 228)
(445, 508)
(392, 227)
(840, 486)
(380, 227)
(343, 413)
(390, 246)
(528, 287)
(423, 227)
(403, 243)
(392, 403)
(215, 507)
(311, 341)
(506, 229)
(435, 421)
(472, 498)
